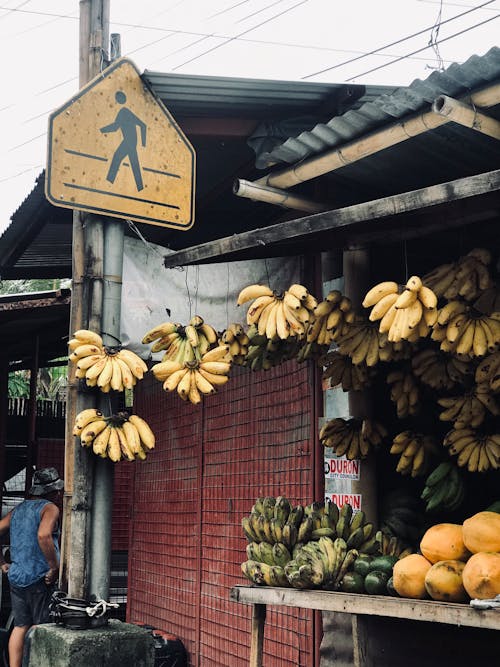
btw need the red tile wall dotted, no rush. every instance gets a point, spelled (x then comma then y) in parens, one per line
(253, 438)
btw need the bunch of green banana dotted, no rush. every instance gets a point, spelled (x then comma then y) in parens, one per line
(353, 438)
(404, 392)
(360, 341)
(264, 354)
(488, 373)
(182, 343)
(272, 554)
(238, 341)
(196, 378)
(117, 437)
(465, 278)
(438, 370)
(278, 315)
(339, 370)
(462, 330)
(476, 452)
(406, 316)
(415, 450)
(444, 489)
(273, 520)
(320, 564)
(262, 574)
(329, 319)
(470, 409)
(309, 351)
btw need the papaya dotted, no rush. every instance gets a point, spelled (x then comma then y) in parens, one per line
(443, 581)
(408, 576)
(481, 532)
(444, 541)
(481, 575)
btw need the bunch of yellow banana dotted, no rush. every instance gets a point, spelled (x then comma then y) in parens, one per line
(238, 341)
(406, 316)
(470, 409)
(278, 315)
(360, 341)
(182, 343)
(465, 278)
(264, 353)
(416, 450)
(438, 370)
(194, 379)
(109, 368)
(404, 393)
(340, 371)
(117, 437)
(271, 554)
(85, 337)
(262, 574)
(488, 373)
(466, 332)
(353, 438)
(393, 351)
(273, 520)
(479, 453)
(329, 319)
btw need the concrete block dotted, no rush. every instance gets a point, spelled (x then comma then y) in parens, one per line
(114, 645)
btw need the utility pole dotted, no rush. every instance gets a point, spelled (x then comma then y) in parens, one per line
(86, 309)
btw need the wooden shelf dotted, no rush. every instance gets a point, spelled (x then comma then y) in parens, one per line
(372, 605)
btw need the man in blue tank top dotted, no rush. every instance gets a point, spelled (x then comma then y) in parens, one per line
(34, 550)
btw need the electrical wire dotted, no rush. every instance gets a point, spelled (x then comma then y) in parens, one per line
(445, 39)
(398, 41)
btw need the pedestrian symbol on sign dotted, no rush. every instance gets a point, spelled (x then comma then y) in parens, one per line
(127, 122)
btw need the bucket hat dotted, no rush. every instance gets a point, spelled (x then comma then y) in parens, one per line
(45, 481)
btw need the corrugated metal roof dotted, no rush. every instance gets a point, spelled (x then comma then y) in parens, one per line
(456, 80)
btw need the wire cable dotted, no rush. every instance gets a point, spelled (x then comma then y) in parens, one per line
(398, 41)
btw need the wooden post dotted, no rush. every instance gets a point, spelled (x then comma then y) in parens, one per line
(86, 306)
(257, 638)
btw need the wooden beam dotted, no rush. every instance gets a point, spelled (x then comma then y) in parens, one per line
(372, 605)
(296, 232)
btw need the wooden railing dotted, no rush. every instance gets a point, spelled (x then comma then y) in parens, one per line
(18, 407)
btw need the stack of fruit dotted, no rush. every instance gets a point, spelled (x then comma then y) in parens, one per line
(117, 437)
(457, 562)
(371, 575)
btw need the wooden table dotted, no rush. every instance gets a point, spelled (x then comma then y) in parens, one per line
(349, 603)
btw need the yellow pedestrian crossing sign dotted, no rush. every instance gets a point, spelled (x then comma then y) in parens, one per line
(115, 149)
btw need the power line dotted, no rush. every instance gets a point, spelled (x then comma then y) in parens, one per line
(399, 41)
(445, 39)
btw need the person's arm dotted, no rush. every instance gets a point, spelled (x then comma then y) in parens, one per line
(4, 528)
(48, 524)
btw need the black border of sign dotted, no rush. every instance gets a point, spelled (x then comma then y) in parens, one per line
(95, 209)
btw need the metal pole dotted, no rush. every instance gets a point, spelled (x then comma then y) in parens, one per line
(102, 505)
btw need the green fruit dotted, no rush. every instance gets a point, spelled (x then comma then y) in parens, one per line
(383, 564)
(376, 582)
(390, 588)
(352, 582)
(362, 564)
(495, 507)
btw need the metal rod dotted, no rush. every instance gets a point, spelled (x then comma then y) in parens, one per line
(264, 193)
(102, 504)
(465, 115)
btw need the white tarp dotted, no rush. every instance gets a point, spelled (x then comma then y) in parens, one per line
(152, 294)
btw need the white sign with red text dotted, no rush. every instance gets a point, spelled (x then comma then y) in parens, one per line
(342, 468)
(340, 499)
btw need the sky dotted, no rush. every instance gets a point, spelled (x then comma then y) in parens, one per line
(375, 42)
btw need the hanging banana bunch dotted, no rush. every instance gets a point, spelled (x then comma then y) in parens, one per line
(117, 437)
(196, 378)
(476, 452)
(404, 393)
(470, 410)
(353, 438)
(182, 343)
(488, 373)
(107, 367)
(329, 319)
(466, 278)
(462, 330)
(238, 341)
(438, 370)
(340, 371)
(360, 341)
(416, 451)
(278, 315)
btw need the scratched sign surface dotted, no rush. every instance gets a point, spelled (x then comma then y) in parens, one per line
(115, 149)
